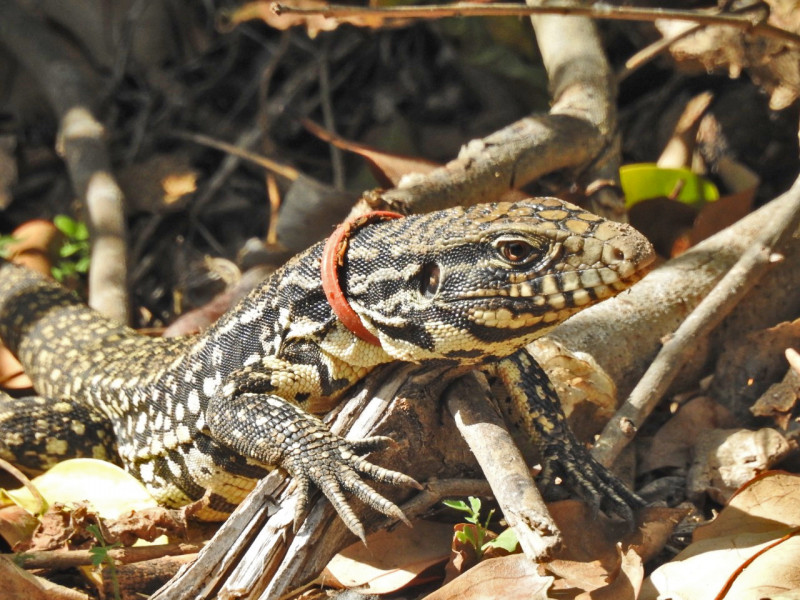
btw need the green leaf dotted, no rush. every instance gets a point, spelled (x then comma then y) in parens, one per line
(99, 555)
(82, 266)
(506, 540)
(70, 249)
(66, 225)
(457, 505)
(470, 536)
(81, 232)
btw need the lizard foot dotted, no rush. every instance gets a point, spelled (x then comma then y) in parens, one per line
(333, 464)
(575, 464)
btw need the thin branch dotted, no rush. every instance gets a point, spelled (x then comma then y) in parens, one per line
(753, 22)
(680, 347)
(64, 559)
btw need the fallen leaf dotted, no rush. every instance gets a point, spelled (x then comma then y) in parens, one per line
(748, 552)
(673, 442)
(510, 577)
(16, 525)
(35, 245)
(592, 555)
(388, 168)
(745, 371)
(726, 459)
(391, 560)
(111, 490)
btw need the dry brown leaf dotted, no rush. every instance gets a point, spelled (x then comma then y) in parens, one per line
(625, 583)
(512, 577)
(672, 444)
(463, 555)
(16, 525)
(163, 183)
(655, 527)
(391, 560)
(780, 401)
(748, 552)
(313, 23)
(388, 168)
(591, 558)
(745, 371)
(770, 62)
(35, 245)
(726, 459)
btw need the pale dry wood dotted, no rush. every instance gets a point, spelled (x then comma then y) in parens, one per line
(579, 133)
(477, 419)
(71, 91)
(63, 559)
(751, 18)
(254, 557)
(679, 348)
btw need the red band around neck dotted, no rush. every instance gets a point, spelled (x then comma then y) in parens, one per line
(333, 257)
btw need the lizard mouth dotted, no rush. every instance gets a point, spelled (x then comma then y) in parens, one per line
(549, 299)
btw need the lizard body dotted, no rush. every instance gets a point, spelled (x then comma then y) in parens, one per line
(208, 415)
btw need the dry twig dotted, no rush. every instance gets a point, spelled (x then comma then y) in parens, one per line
(755, 262)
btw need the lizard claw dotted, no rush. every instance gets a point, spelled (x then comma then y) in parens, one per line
(334, 466)
(581, 471)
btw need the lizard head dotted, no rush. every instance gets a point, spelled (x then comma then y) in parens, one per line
(469, 283)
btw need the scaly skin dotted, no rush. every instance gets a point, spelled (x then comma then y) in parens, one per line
(208, 415)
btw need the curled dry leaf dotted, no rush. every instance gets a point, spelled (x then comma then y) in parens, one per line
(772, 63)
(748, 552)
(591, 558)
(779, 402)
(388, 168)
(745, 370)
(726, 459)
(672, 444)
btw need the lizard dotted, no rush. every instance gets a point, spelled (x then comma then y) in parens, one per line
(206, 416)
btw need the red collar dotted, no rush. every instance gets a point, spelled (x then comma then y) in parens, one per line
(333, 257)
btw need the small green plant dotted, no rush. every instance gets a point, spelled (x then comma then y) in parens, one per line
(74, 252)
(5, 240)
(100, 556)
(476, 535)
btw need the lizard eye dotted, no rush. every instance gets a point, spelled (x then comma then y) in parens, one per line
(515, 250)
(429, 280)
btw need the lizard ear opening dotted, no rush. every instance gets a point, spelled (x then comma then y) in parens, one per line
(429, 280)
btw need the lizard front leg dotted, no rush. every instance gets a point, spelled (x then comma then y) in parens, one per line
(257, 414)
(535, 407)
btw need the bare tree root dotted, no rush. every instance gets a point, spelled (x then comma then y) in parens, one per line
(81, 142)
